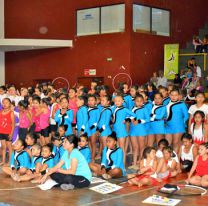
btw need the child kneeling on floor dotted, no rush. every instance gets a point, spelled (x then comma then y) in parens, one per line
(112, 164)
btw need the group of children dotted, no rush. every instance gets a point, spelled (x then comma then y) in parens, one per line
(164, 136)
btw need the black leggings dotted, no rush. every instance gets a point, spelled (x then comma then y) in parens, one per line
(23, 133)
(77, 181)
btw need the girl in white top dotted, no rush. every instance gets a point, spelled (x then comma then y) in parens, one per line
(199, 106)
(187, 152)
(167, 166)
(163, 143)
(198, 128)
(148, 166)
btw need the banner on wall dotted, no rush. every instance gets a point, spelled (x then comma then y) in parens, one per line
(171, 53)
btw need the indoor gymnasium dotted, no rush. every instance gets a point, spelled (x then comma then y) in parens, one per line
(103, 103)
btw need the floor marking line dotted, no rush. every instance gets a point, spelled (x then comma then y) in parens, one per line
(119, 196)
(124, 195)
(18, 188)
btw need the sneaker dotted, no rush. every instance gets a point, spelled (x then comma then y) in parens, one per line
(67, 187)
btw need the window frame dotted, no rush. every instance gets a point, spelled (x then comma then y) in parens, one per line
(77, 10)
(124, 18)
(100, 21)
(151, 31)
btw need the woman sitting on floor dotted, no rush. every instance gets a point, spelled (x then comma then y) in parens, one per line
(77, 173)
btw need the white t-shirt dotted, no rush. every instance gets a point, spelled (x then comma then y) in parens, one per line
(16, 99)
(2, 97)
(198, 71)
(194, 108)
(162, 81)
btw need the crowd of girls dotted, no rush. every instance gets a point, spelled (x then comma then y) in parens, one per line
(69, 135)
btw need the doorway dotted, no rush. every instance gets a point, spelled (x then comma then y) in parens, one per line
(86, 81)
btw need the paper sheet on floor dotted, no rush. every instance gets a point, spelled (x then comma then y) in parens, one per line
(106, 188)
(48, 184)
(160, 200)
(96, 180)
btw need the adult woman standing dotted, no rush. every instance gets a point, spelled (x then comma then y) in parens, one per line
(77, 173)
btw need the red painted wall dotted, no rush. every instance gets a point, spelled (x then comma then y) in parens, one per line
(59, 16)
(139, 53)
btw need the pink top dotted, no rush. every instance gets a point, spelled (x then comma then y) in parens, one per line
(24, 122)
(36, 120)
(44, 119)
(74, 108)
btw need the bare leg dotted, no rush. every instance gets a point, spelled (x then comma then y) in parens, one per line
(116, 173)
(204, 181)
(176, 142)
(135, 147)
(9, 146)
(27, 177)
(102, 145)
(133, 181)
(144, 181)
(141, 141)
(3, 150)
(22, 171)
(174, 173)
(74, 130)
(7, 170)
(162, 166)
(159, 137)
(47, 140)
(121, 144)
(128, 145)
(95, 167)
(93, 139)
(196, 180)
(169, 137)
(128, 140)
(42, 141)
(150, 140)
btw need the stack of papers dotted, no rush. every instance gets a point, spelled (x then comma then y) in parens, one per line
(106, 188)
(48, 184)
(160, 200)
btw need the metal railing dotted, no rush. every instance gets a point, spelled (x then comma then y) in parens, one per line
(197, 54)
